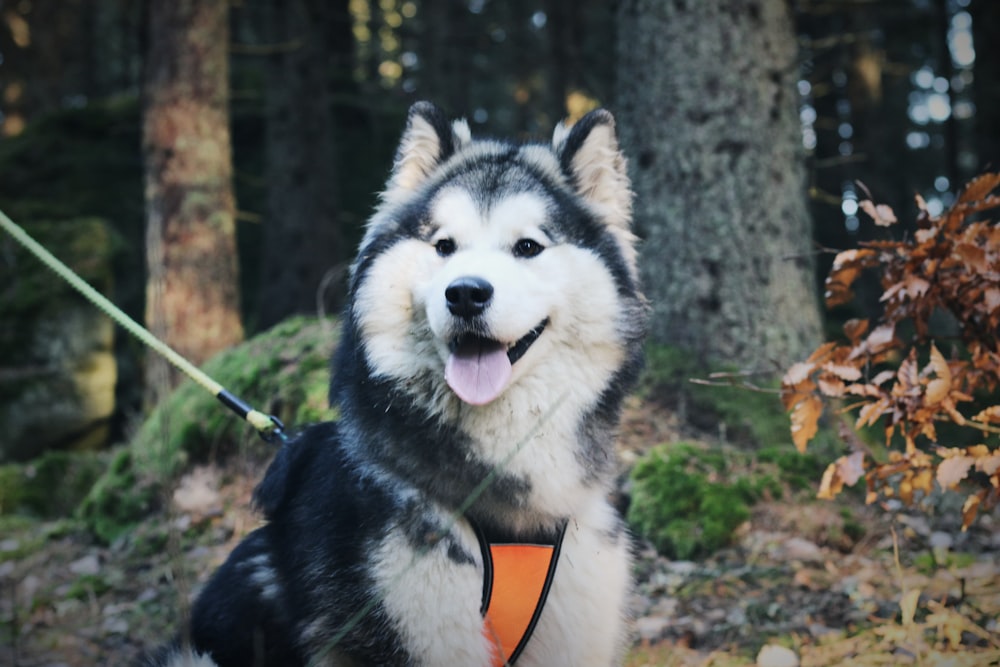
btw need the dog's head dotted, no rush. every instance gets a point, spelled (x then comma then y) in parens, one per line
(491, 267)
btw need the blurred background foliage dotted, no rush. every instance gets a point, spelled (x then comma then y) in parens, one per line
(898, 97)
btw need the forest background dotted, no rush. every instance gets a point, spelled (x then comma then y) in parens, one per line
(209, 167)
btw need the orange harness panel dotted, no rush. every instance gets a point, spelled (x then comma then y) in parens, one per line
(518, 576)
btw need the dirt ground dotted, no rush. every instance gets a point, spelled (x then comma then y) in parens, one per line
(911, 590)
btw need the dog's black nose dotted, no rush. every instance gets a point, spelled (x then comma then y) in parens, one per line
(468, 296)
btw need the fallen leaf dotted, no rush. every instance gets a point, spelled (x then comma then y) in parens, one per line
(908, 605)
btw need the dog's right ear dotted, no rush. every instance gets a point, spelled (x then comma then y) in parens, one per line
(429, 140)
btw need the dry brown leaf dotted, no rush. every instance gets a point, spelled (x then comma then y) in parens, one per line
(870, 413)
(882, 214)
(869, 390)
(879, 340)
(851, 468)
(937, 389)
(990, 415)
(970, 509)
(883, 377)
(843, 371)
(988, 463)
(953, 470)
(916, 286)
(805, 421)
(822, 352)
(891, 292)
(798, 373)
(908, 605)
(980, 186)
(991, 298)
(949, 406)
(881, 337)
(950, 264)
(831, 484)
(832, 387)
(973, 257)
(856, 328)
(923, 481)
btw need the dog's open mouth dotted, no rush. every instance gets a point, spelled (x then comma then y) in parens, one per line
(478, 368)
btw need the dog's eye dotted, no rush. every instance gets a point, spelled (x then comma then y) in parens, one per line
(527, 248)
(445, 247)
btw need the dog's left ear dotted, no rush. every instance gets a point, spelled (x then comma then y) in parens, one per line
(429, 140)
(588, 153)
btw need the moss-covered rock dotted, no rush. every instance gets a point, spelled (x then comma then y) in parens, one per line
(283, 371)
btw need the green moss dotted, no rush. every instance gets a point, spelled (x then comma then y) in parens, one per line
(87, 587)
(51, 486)
(687, 499)
(283, 371)
(799, 471)
(684, 504)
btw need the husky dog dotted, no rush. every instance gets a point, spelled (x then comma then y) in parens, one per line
(494, 326)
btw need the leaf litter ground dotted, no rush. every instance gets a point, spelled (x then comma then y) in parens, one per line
(791, 578)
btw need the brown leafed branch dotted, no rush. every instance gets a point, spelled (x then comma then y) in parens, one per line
(891, 372)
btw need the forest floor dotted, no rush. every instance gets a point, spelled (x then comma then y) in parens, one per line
(793, 588)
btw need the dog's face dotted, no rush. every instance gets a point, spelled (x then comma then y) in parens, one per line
(492, 268)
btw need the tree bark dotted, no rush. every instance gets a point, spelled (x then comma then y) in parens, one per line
(986, 69)
(708, 115)
(192, 296)
(302, 239)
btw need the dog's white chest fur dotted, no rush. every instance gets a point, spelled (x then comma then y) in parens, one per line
(438, 600)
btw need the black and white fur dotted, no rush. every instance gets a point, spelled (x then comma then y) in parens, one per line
(368, 556)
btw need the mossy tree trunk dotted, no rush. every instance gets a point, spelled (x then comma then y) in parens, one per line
(708, 115)
(302, 236)
(192, 296)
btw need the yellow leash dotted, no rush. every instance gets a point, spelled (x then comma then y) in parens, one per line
(268, 426)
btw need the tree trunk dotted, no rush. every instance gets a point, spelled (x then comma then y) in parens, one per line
(447, 49)
(192, 296)
(302, 239)
(986, 33)
(707, 113)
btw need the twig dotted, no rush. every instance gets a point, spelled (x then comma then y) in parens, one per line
(739, 385)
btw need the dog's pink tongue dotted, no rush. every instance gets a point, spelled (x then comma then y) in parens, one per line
(478, 371)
